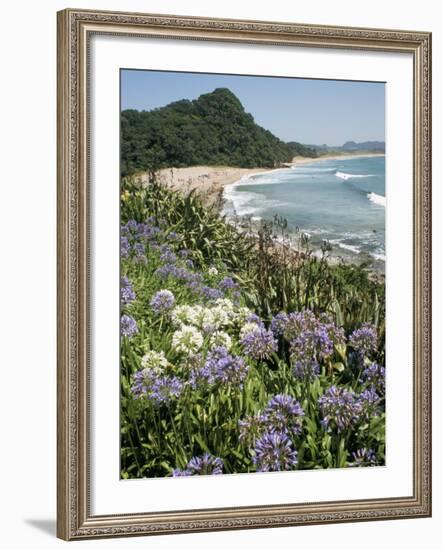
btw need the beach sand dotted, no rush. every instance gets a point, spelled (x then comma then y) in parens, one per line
(296, 161)
(209, 181)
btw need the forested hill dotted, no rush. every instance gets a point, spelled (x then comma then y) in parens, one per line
(211, 130)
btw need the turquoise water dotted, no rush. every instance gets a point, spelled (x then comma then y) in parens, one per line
(341, 201)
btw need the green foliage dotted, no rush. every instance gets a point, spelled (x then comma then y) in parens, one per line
(291, 279)
(203, 231)
(272, 276)
(298, 149)
(211, 130)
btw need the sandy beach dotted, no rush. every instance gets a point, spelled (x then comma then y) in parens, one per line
(296, 161)
(209, 181)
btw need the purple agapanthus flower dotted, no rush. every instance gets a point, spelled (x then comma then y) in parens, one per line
(364, 339)
(139, 386)
(306, 370)
(374, 375)
(228, 283)
(147, 232)
(340, 408)
(182, 274)
(181, 473)
(165, 248)
(124, 247)
(297, 323)
(176, 272)
(194, 286)
(314, 345)
(284, 414)
(173, 236)
(140, 252)
(127, 294)
(304, 330)
(128, 326)
(162, 302)
(278, 323)
(193, 278)
(363, 457)
(211, 293)
(157, 388)
(130, 227)
(251, 427)
(166, 270)
(165, 388)
(206, 464)
(311, 338)
(254, 318)
(140, 231)
(168, 257)
(220, 367)
(124, 231)
(335, 333)
(227, 368)
(368, 402)
(274, 452)
(259, 343)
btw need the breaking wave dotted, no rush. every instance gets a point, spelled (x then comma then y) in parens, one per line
(346, 176)
(377, 199)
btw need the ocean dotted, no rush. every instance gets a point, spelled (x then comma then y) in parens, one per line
(341, 201)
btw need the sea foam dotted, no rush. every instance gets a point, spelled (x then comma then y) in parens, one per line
(377, 199)
(350, 247)
(346, 176)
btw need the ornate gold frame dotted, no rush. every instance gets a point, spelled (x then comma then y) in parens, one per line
(75, 27)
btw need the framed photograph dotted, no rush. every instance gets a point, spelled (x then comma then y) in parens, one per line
(243, 274)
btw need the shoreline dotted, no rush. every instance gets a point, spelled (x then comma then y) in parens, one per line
(339, 252)
(209, 181)
(297, 161)
(336, 255)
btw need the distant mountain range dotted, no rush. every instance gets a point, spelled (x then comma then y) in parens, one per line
(352, 147)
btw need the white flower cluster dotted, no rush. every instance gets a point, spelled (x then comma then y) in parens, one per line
(200, 317)
(208, 319)
(248, 328)
(212, 271)
(195, 323)
(220, 338)
(187, 340)
(220, 318)
(154, 360)
(241, 315)
(181, 315)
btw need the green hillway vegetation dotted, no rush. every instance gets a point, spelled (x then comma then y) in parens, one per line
(238, 353)
(211, 130)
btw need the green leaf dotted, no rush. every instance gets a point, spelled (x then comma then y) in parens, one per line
(339, 367)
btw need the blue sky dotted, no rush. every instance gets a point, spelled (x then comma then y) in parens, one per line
(308, 111)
